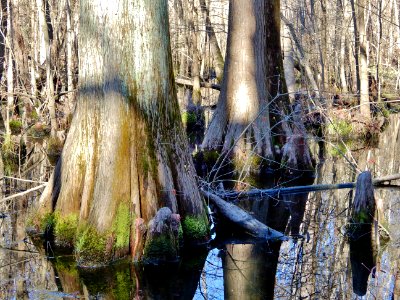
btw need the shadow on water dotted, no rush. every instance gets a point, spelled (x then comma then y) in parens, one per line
(249, 266)
(124, 280)
(317, 262)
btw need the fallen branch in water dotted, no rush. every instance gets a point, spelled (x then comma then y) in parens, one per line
(23, 193)
(241, 218)
(382, 181)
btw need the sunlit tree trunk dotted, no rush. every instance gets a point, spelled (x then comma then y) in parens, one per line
(241, 122)
(324, 46)
(70, 42)
(288, 61)
(10, 71)
(303, 57)
(43, 34)
(343, 39)
(34, 52)
(3, 29)
(364, 86)
(126, 154)
(45, 60)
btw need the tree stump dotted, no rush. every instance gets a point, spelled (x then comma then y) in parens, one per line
(162, 241)
(361, 233)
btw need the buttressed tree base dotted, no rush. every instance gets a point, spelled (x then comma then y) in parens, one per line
(126, 155)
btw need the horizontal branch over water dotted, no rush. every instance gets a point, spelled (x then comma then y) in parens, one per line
(302, 189)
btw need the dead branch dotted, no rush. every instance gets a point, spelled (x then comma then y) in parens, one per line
(241, 218)
(23, 193)
(204, 84)
(304, 189)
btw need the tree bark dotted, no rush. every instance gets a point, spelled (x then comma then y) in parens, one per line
(288, 61)
(195, 69)
(215, 49)
(240, 125)
(364, 86)
(126, 155)
(10, 72)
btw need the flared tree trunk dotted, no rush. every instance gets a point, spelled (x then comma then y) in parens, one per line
(253, 100)
(240, 125)
(125, 156)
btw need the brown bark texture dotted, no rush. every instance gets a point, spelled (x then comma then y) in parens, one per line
(240, 125)
(125, 156)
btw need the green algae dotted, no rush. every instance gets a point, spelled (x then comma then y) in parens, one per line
(122, 226)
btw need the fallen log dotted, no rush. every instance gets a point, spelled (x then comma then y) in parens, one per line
(304, 189)
(241, 218)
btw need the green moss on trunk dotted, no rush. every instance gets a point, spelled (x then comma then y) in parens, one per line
(46, 222)
(90, 247)
(195, 228)
(122, 227)
(65, 229)
(160, 248)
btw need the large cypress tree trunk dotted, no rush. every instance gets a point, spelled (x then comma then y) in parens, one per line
(126, 154)
(240, 125)
(253, 100)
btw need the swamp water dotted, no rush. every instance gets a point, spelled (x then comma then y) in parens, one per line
(314, 264)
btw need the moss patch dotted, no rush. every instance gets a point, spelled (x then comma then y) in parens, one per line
(46, 223)
(342, 128)
(362, 217)
(54, 149)
(189, 118)
(339, 149)
(15, 126)
(160, 248)
(122, 226)
(10, 156)
(90, 247)
(210, 157)
(195, 228)
(65, 229)
(39, 130)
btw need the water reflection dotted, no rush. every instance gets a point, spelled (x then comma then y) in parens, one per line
(316, 264)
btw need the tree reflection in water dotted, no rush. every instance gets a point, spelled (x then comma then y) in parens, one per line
(315, 266)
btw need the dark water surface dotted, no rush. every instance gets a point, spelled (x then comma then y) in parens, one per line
(314, 264)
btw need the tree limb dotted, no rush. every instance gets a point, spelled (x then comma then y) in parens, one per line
(241, 218)
(204, 84)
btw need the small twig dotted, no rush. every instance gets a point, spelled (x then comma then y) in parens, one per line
(23, 193)
(23, 180)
